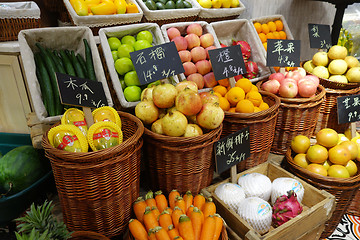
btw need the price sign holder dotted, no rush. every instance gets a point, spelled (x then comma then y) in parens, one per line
(319, 36)
(158, 62)
(283, 53)
(81, 92)
(348, 111)
(231, 150)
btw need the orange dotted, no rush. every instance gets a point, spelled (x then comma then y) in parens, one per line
(270, 35)
(245, 84)
(339, 155)
(282, 35)
(279, 25)
(263, 105)
(265, 45)
(254, 97)
(262, 37)
(218, 94)
(276, 35)
(276, 69)
(224, 103)
(254, 88)
(265, 28)
(272, 26)
(257, 27)
(256, 109)
(224, 82)
(317, 168)
(234, 95)
(232, 110)
(245, 106)
(220, 89)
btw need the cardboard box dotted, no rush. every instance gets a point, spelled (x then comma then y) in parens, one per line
(318, 206)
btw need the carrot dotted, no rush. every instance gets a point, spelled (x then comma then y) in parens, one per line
(209, 208)
(175, 216)
(188, 198)
(149, 219)
(185, 228)
(151, 234)
(156, 212)
(208, 230)
(218, 226)
(161, 201)
(137, 229)
(161, 234)
(139, 208)
(190, 209)
(199, 201)
(168, 209)
(178, 238)
(179, 201)
(172, 196)
(173, 232)
(197, 221)
(165, 220)
(149, 199)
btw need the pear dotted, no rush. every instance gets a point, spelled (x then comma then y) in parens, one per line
(353, 74)
(352, 61)
(309, 66)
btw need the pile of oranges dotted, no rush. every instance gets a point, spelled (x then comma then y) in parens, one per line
(244, 97)
(270, 30)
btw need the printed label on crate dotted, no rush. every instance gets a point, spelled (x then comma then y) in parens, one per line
(80, 92)
(158, 62)
(227, 62)
(232, 149)
(283, 53)
(348, 109)
(319, 35)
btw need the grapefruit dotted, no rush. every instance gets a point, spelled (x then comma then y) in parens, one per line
(351, 167)
(338, 171)
(317, 154)
(327, 164)
(352, 147)
(300, 159)
(339, 155)
(300, 144)
(327, 137)
(317, 168)
(342, 138)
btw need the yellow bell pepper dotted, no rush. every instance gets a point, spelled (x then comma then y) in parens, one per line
(131, 8)
(120, 6)
(94, 2)
(104, 8)
(80, 7)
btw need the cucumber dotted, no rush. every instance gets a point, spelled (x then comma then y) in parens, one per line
(49, 64)
(42, 89)
(82, 64)
(44, 81)
(76, 65)
(89, 61)
(57, 61)
(67, 63)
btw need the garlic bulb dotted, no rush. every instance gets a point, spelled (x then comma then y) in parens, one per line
(256, 185)
(280, 186)
(231, 194)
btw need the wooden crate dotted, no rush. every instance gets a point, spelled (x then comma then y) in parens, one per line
(318, 207)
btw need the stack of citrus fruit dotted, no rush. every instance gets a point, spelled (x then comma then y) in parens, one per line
(244, 97)
(270, 30)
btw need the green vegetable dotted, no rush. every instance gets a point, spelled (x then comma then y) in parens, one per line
(67, 63)
(170, 4)
(57, 61)
(76, 65)
(160, 5)
(179, 4)
(89, 61)
(187, 4)
(82, 64)
(150, 4)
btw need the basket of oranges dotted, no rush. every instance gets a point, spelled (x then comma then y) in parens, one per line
(245, 106)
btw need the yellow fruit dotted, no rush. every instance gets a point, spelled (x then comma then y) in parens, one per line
(309, 66)
(300, 144)
(339, 155)
(205, 3)
(352, 147)
(245, 106)
(131, 8)
(320, 59)
(95, 2)
(245, 84)
(327, 164)
(224, 103)
(257, 109)
(342, 138)
(272, 26)
(321, 72)
(258, 27)
(234, 95)
(220, 89)
(216, 3)
(263, 105)
(226, 3)
(338, 171)
(265, 28)
(104, 8)
(317, 154)
(300, 159)
(351, 167)
(254, 88)
(233, 110)
(348, 133)
(327, 137)
(80, 7)
(337, 52)
(351, 61)
(317, 168)
(254, 97)
(282, 35)
(120, 6)
(279, 25)
(337, 67)
(353, 75)
(218, 94)
(235, 3)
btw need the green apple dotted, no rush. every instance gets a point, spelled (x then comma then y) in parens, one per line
(128, 39)
(123, 65)
(114, 55)
(124, 50)
(145, 35)
(114, 43)
(132, 93)
(141, 44)
(122, 82)
(158, 82)
(131, 79)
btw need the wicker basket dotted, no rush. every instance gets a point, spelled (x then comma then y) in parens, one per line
(87, 235)
(261, 127)
(343, 189)
(178, 162)
(354, 208)
(328, 110)
(96, 189)
(296, 116)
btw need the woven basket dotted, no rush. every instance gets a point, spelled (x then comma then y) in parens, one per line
(261, 127)
(96, 189)
(328, 110)
(178, 162)
(296, 116)
(87, 235)
(343, 189)
(10, 27)
(354, 208)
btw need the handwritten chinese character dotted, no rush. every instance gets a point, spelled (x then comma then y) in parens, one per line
(236, 70)
(226, 72)
(86, 87)
(315, 29)
(356, 101)
(290, 48)
(278, 47)
(229, 143)
(280, 59)
(220, 148)
(346, 103)
(71, 83)
(140, 58)
(224, 56)
(148, 74)
(158, 53)
(290, 63)
(239, 138)
(247, 135)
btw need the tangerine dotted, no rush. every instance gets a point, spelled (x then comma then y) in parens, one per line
(300, 144)
(245, 84)
(265, 28)
(220, 89)
(270, 35)
(339, 155)
(279, 25)
(233, 110)
(218, 94)
(338, 171)
(300, 159)
(262, 37)
(245, 106)
(276, 35)
(263, 105)
(352, 147)
(351, 167)
(254, 97)
(265, 45)
(257, 27)
(257, 109)
(327, 137)
(317, 154)
(254, 88)
(234, 95)
(282, 35)
(224, 103)
(317, 168)
(272, 26)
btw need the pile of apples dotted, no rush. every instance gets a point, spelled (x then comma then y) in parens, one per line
(193, 50)
(292, 84)
(179, 111)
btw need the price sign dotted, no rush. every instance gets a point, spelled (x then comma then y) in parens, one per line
(348, 109)
(319, 35)
(227, 62)
(158, 62)
(283, 53)
(80, 92)
(232, 149)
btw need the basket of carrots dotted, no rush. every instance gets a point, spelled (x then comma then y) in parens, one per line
(176, 217)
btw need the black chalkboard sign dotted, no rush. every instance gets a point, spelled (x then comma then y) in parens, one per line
(319, 35)
(232, 149)
(80, 92)
(283, 53)
(158, 62)
(227, 62)
(348, 109)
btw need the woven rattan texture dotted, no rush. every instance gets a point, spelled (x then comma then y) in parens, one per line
(261, 127)
(216, 19)
(354, 208)
(178, 162)
(328, 111)
(10, 27)
(87, 235)
(161, 22)
(343, 189)
(96, 189)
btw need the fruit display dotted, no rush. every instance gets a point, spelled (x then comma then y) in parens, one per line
(219, 3)
(334, 65)
(250, 199)
(177, 216)
(100, 7)
(270, 30)
(167, 4)
(179, 110)
(333, 154)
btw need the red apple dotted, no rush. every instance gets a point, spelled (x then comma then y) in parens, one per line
(192, 40)
(207, 51)
(289, 80)
(189, 68)
(307, 88)
(194, 28)
(313, 78)
(185, 56)
(186, 84)
(209, 79)
(288, 89)
(180, 43)
(294, 75)
(203, 67)
(277, 76)
(173, 33)
(197, 54)
(301, 71)
(207, 97)
(206, 40)
(198, 79)
(271, 86)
